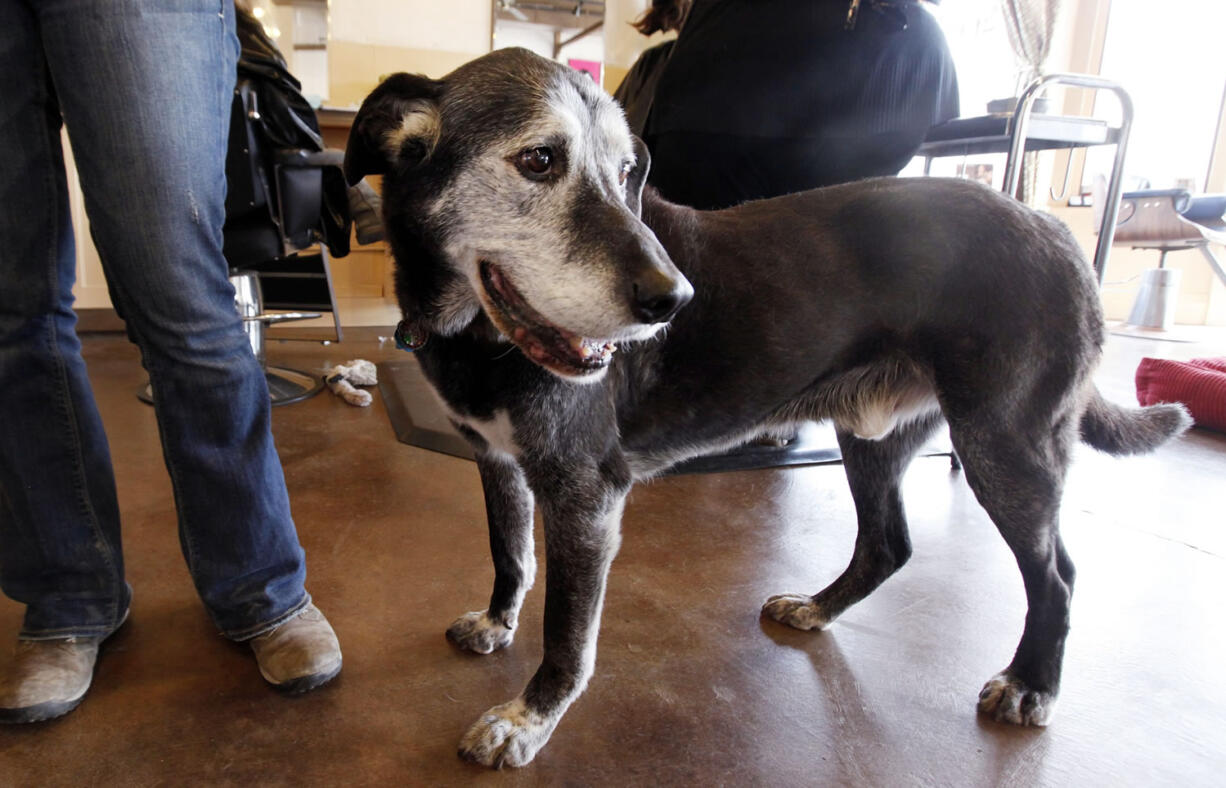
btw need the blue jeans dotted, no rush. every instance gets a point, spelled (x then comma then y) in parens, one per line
(144, 87)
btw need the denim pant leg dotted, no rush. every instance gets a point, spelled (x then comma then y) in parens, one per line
(59, 519)
(145, 87)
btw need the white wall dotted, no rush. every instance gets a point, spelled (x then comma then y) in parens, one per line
(590, 47)
(623, 43)
(519, 34)
(539, 39)
(451, 26)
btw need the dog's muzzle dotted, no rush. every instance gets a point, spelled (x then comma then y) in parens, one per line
(546, 343)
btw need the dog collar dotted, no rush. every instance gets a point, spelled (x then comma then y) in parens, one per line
(409, 337)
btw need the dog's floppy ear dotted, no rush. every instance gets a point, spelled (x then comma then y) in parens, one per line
(637, 178)
(398, 121)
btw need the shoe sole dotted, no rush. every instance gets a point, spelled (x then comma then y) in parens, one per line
(304, 684)
(40, 713)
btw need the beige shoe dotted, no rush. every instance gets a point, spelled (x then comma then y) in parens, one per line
(300, 654)
(48, 678)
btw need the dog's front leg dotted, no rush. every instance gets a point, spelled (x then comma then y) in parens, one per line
(508, 509)
(582, 534)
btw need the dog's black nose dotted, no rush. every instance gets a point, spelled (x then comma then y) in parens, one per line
(656, 296)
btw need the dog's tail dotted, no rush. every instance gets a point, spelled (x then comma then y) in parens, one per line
(1119, 430)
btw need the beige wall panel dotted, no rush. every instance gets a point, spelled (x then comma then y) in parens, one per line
(90, 289)
(355, 68)
(360, 274)
(450, 26)
(613, 76)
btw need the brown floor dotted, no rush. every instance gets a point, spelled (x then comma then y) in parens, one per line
(692, 688)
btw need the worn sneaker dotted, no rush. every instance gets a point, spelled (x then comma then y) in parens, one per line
(300, 654)
(48, 678)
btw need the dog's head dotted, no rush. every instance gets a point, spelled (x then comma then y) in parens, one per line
(513, 186)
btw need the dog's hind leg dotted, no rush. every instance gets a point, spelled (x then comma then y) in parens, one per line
(1018, 477)
(873, 470)
(582, 511)
(508, 509)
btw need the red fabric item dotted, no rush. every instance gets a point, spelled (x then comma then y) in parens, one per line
(1200, 384)
(1210, 363)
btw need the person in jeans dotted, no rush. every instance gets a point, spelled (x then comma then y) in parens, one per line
(144, 88)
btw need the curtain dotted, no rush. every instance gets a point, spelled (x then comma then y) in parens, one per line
(1031, 25)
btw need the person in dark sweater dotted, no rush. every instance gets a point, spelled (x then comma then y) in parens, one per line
(767, 97)
(638, 87)
(760, 98)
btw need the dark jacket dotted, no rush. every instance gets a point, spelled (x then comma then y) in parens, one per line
(766, 97)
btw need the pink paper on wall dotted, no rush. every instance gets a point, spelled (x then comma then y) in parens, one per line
(592, 67)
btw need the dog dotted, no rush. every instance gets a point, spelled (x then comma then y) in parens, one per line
(583, 333)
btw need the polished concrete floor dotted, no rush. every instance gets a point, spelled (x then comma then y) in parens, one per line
(692, 687)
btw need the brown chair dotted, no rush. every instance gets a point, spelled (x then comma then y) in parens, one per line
(1169, 220)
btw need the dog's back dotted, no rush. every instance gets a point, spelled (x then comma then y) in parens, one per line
(826, 304)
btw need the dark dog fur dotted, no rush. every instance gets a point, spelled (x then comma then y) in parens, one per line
(512, 195)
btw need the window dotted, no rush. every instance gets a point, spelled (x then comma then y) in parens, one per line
(979, 43)
(1167, 56)
(987, 70)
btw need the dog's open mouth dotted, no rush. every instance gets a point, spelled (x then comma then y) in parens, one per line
(549, 345)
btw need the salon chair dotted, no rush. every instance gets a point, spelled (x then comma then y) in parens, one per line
(273, 239)
(1168, 220)
(1027, 129)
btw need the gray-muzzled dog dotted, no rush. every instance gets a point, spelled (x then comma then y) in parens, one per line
(563, 335)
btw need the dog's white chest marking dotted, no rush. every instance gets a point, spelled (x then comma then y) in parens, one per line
(498, 432)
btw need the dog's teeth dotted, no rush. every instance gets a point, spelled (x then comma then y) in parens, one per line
(589, 348)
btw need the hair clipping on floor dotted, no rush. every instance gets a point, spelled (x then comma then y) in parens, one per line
(410, 338)
(343, 378)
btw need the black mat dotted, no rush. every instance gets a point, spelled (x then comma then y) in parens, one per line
(419, 421)
(414, 411)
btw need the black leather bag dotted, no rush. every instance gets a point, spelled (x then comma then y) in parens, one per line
(278, 171)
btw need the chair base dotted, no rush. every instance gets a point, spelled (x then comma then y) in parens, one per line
(1174, 334)
(1154, 307)
(285, 386)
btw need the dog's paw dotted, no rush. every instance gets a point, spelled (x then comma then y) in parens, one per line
(1007, 699)
(478, 632)
(506, 735)
(796, 610)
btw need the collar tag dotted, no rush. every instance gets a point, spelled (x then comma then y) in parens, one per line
(408, 338)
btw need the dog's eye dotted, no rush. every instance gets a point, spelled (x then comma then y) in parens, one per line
(535, 163)
(625, 172)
